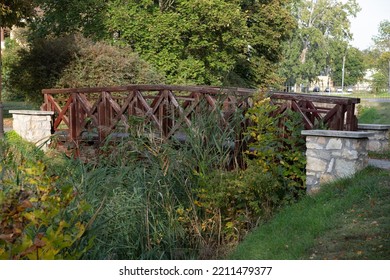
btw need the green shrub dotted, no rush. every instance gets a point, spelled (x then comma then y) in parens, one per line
(227, 205)
(39, 218)
(277, 146)
(97, 64)
(72, 61)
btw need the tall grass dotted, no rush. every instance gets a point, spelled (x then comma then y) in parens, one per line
(141, 186)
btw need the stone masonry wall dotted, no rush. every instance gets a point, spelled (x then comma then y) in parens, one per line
(380, 140)
(33, 126)
(331, 156)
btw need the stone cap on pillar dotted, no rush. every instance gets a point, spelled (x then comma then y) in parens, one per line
(31, 112)
(367, 126)
(337, 133)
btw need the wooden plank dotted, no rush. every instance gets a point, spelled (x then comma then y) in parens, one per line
(74, 129)
(296, 108)
(149, 111)
(61, 112)
(88, 108)
(327, 119)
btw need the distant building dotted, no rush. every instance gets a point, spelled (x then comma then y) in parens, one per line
(323, 82)
(366, 83)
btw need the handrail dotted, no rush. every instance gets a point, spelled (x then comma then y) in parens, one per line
(169, 107)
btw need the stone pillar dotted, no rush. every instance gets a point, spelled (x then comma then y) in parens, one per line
(33, 126)
(333, 154)
(379, 141)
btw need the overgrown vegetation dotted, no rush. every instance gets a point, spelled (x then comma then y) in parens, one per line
(40, 218)
(177, 200)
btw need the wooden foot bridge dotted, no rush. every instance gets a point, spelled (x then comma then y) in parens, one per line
(104, 110)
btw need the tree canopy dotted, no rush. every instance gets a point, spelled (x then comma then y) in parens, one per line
(381, 57)
(322, 25)
(64, 17)
(12, 12)
(228, 42)
(216, 42)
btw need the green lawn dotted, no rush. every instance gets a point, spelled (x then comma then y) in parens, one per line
(348, 219)
(374, 112)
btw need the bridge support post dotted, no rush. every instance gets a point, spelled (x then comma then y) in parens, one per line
(333, 154)
(33, 126)
(380, 140)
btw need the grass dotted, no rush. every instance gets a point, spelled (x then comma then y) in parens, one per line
(380, 155)
(348, 219)
(374, 112)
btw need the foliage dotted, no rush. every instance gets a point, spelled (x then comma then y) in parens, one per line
(321, 24)
(39, 219)
(10, 57)
(382, 44)
(73, 61)
(382, 40)
(375, 113)
(378, 58)
(205, 42)
(146, 184)
(379, 82)
(64, 17)
(39, 67)
(98, 64)
(354, 69)
(277, 146)
(13, 11)
(227, 205)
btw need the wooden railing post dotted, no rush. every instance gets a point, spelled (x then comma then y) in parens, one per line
(104, 116)
(74, 126)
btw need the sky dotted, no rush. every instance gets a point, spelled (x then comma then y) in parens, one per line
(366, 23)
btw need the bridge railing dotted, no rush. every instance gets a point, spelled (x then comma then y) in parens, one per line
(169, 108)
(166, 108)
(332, 112)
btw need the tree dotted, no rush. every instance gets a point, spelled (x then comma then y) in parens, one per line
(382, 61)
(220, 42)
(64, 17)
(382, 40)
(12, 12)
(354, 66)
(320, 24)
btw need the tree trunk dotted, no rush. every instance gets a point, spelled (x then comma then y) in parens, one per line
(302, 57)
